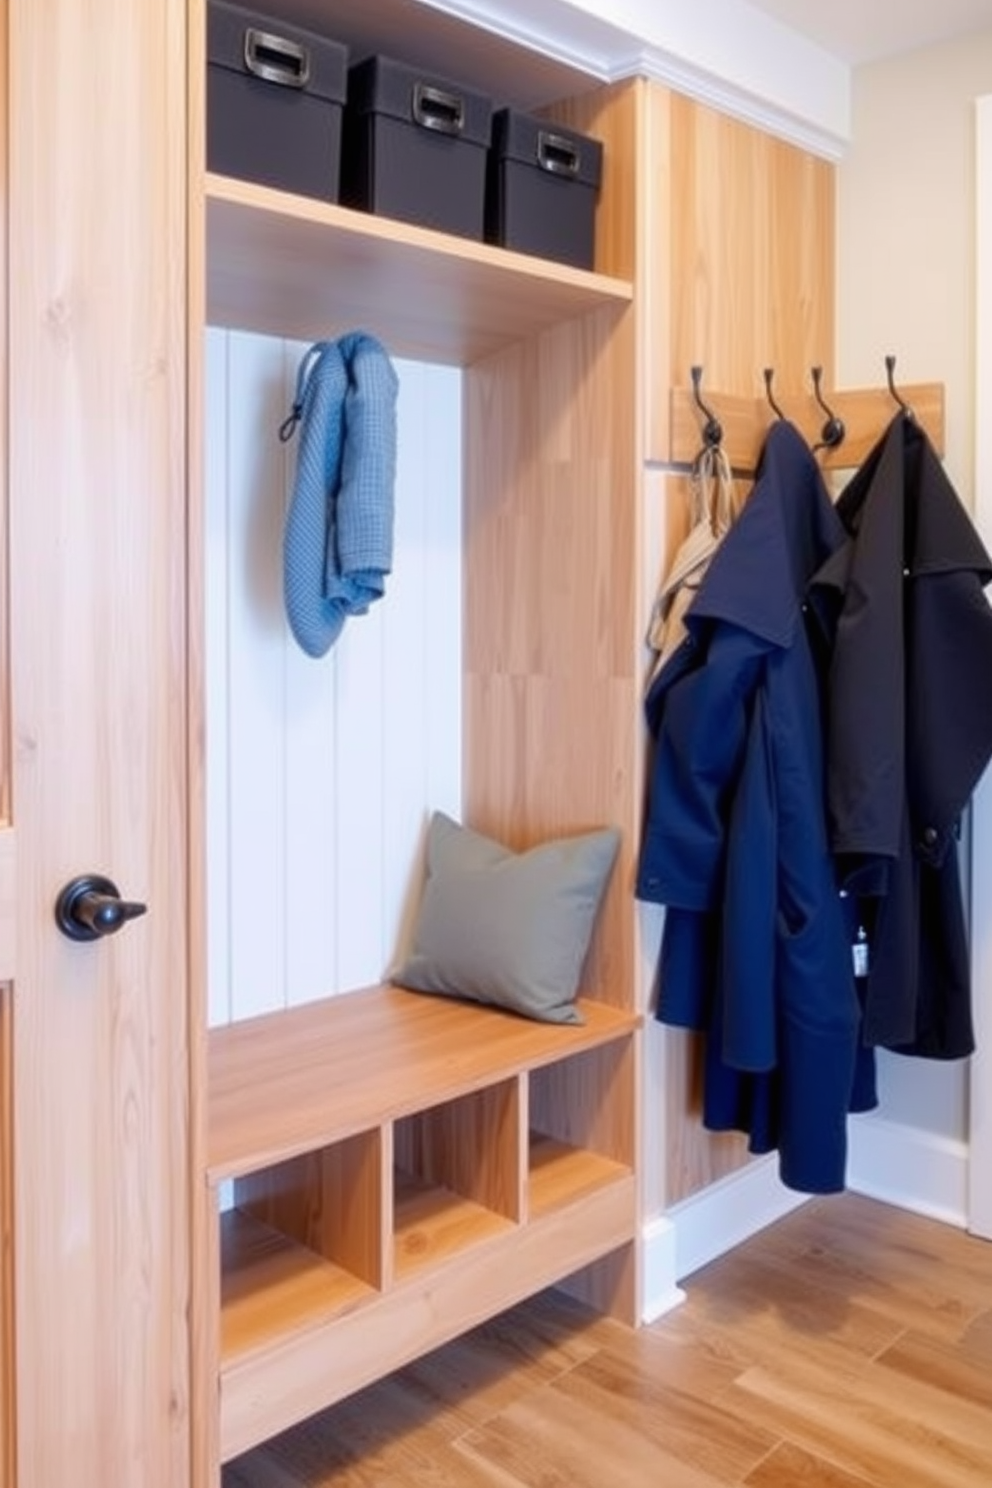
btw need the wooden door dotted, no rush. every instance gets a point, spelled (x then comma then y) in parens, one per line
(96, 1034)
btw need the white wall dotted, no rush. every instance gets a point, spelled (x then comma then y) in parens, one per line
(321, 774)
(727, 53)
(980, 1165)
(906, 285)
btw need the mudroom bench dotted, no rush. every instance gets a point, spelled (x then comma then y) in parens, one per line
(386, 1170)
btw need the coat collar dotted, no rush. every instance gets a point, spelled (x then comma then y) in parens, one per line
(787, 529)
(900, 509)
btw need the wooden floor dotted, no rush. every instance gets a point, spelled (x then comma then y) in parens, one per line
(849, 1346)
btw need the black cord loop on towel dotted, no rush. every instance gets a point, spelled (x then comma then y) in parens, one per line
(288, 426)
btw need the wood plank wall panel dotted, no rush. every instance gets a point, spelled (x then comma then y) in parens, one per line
(751, 255)
(550, 709)
(552, 719)
(748, 245)
(551, 714)
(321, 773)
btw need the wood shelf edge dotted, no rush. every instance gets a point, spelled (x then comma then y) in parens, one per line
(252, 1127)
(348, 220)
(294, 266)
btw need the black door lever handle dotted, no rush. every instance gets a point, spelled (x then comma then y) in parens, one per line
(90, 907)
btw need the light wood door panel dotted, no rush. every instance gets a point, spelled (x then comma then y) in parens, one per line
(95, 1034)
(8, 907)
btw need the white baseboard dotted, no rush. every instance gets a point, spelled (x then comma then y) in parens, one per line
(661, 1293)
(902, 1165)
(707, 1225)
(910, 1168)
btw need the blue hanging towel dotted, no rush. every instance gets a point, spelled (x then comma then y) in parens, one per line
(338, 541)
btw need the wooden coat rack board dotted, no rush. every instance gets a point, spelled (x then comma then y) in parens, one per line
(865, 413)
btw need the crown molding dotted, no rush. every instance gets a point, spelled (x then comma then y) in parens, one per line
(724, 53)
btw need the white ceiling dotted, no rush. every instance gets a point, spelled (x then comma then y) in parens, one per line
(865, 30)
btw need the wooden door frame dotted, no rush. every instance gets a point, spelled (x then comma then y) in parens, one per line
(980, 1133)
(6, 1249)
(6, 1062)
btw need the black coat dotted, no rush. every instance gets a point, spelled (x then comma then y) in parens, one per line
(908, 636)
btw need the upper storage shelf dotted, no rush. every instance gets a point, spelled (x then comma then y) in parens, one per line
(290, 266)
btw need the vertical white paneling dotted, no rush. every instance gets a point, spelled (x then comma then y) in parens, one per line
(421, 743)
(310, 791)
(321, 773)
(406, 749)
(443, 619)
(359, 722)
(256, 672)
(215, 681)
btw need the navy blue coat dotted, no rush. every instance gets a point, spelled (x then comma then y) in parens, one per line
(756, 949)
(909, 632)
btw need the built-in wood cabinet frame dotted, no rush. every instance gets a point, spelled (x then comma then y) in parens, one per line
(421, 1164)
(567, 376)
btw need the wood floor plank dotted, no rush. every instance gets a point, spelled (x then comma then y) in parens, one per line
(387, 1434)
(480, 1374)
(677, 1358)
(977, 1337)
(910, 1288)
(882, 1246)
(548, 1440)
(930, 1361)
(849, 1423)
(687, 1429)
(750, 1297)
(790, 1467)
(848, 1346)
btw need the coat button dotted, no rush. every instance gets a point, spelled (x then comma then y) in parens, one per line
(930, 835)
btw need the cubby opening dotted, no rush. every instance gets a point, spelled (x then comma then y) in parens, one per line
(458, 1176)
(304, 1241)
(581, 1133)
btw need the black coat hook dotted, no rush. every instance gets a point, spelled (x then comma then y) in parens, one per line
(769, 374)
(712, 429)
(890, 367)
(833, 432)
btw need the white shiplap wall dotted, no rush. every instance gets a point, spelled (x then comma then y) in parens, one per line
(321, 774)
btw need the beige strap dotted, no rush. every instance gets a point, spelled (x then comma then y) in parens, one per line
(711, 490)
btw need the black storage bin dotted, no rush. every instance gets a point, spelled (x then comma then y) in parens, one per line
(541, 188)
(415, 147)
(275, 102)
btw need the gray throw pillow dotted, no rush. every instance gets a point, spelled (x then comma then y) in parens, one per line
(505, 928)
